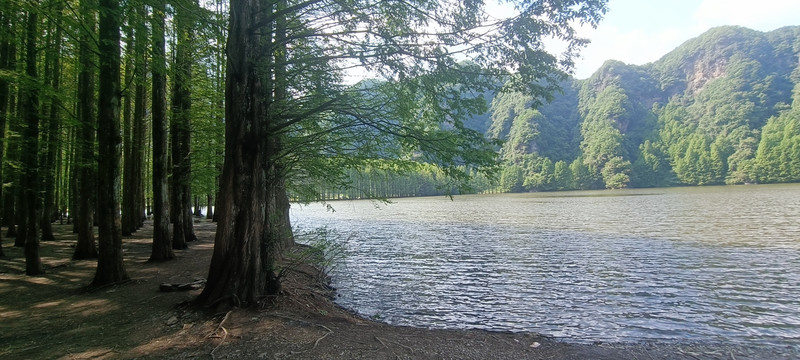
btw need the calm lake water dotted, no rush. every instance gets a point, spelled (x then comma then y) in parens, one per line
(707, 264)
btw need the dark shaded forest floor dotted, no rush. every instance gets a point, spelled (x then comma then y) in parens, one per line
(55, 317)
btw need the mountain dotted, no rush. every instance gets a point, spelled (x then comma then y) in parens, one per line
(721, 108)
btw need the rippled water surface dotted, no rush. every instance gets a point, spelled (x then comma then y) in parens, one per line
(687, 264)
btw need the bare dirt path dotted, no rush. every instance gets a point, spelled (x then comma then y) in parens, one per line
(55, 317)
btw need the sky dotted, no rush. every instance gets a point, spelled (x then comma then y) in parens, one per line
(642, 31)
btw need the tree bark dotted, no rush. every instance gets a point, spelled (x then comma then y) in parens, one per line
(209, 207)
(5, 50)
(183, 229)
(12, 174)
(133, 193)
(53, 133)
(85, 159)
(30, 178)
(110, 265)
(162, 242)
(128, 187)
(9, 52)
(251, 210)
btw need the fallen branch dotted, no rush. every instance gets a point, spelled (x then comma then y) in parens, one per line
(224, 333)
(323, 336)
(224, 336)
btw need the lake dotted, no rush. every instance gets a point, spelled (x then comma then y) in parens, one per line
(697, 264)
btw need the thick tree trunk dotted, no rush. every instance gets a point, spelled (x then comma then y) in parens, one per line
(251, 210)
(30, 178)
(183, 230)
(162, 243)
(85, 159)
(110, 265)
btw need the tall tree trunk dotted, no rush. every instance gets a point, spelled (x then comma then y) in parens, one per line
(5, 50)
(139, 132)
(133, 193)
(10, 172)
(250, 207)
(30, 178)
(53, 131)
(85, 162)
(110, 265)
(183, 230)
(162, 242)
(128, 186)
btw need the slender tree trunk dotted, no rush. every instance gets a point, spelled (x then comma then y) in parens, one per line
(128, 178)
(251, 210)
(139, 128)
(30, 106)
(11, 175)
(53, 133)
(13, 156)
(209, 207)
(110, 265)
(162, 242)
(133, 193)
(85, 162)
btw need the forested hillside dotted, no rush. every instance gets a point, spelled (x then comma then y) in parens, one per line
(723, 108)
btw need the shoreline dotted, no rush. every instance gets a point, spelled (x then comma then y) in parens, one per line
(53, 317)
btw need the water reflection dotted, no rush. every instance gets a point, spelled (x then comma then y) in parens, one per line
(697, 264)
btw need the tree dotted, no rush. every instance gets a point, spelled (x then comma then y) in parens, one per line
(85, 158)
(6, 64)
(29, 103)
(290, 119)
(582, 178)
(615, 173)
(110, 266)
(180, 129)
(134, 134)
(162, 242)
(562, 177)
(53, 126)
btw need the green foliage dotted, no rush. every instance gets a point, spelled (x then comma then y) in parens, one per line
(615, 173)
(715, 110)
(321, 248)
(512, 178)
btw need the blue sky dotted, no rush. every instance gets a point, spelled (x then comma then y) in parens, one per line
(642, 31)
